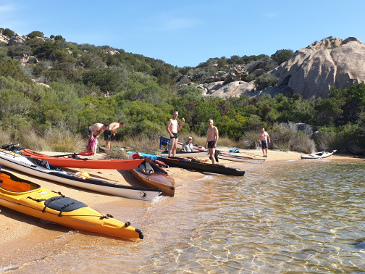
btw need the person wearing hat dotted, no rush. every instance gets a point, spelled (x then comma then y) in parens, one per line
(188, 145)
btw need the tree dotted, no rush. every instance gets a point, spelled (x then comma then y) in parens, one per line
(283, 55)
(12, 68)
(34, 34)
(8, 32)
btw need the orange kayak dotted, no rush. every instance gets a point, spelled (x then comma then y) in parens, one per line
(119, 164)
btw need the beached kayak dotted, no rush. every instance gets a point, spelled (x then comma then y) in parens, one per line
(188, 154)
(42, 169)
(239, 158)
(119, 164)
(318, 155)
(151, 175)
(191, 164)
(30, 198)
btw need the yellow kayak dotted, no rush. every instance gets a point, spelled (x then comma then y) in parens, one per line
(30, 198)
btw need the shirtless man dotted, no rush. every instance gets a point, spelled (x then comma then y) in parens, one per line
(96, 130)
(110, 133)
(173, 127)
(212, 139)
(264, 137)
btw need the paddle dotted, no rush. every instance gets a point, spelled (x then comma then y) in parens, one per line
(85, 153)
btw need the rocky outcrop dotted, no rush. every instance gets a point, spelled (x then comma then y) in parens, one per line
(17, 40)
(314, 70)
(232, 89)
(311, 72)
(3, 38)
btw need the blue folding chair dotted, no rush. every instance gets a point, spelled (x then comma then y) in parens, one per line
(164, 141)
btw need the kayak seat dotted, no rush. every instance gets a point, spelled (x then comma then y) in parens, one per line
(149, 168)
(63, 204)
(146, 168)
(15, 186)
(142, 168)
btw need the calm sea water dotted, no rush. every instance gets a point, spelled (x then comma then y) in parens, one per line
(305, 217)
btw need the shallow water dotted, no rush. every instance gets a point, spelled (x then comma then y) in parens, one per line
(304, 217)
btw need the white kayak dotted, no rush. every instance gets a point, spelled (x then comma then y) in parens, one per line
(43, 170)
(318, 155)
(188, 154)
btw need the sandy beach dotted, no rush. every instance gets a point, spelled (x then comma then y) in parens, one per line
(24, 238)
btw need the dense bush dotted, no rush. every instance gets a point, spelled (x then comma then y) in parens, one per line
(7, 32)
(36, 33)
(266, 80)
(281, 56)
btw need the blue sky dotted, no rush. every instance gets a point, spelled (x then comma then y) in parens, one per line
(186, 33)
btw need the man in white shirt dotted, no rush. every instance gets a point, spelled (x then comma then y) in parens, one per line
(188, 145)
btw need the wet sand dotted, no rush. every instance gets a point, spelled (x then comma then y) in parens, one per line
(24, 238)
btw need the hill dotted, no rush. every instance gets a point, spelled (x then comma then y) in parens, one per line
(50, 85)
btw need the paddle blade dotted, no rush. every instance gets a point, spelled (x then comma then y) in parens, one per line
(86, 153)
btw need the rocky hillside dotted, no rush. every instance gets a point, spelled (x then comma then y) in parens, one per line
(311, 72)
(314, 70)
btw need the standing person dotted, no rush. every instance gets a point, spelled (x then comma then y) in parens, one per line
(110, 133)
(172, 128)
(93, 132)
(188, 145)
(212, 140)
(264, 137)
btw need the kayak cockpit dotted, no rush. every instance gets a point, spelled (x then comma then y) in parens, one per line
(10, 183)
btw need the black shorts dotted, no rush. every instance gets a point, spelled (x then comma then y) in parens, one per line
(211, 144)
(174, 136)
(107, 135)
(263, 144)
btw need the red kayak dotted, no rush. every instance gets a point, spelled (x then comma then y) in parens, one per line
(119, 164)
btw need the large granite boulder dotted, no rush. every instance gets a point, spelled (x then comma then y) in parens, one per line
(232, 89)
(17, 40)
(328, 63)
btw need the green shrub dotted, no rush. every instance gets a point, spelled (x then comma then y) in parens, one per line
(36, 33)
(330, 137)
(8, 33)
(281, 56)
(266, 80)
(286, 136)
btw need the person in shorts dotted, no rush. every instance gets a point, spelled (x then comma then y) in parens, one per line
(172, 128)
(110, 133)
(264, 138)
(212, 140)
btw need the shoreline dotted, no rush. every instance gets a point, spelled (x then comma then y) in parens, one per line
(24, 238)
